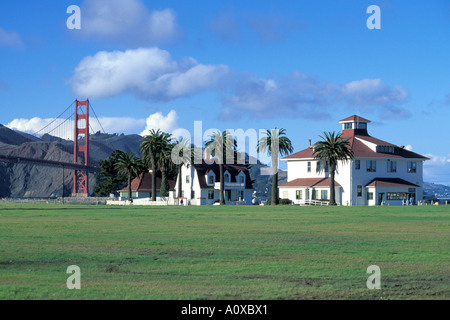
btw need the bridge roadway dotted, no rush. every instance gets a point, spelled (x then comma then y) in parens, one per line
(49, 163)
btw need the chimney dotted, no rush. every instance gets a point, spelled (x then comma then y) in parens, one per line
(310, 143)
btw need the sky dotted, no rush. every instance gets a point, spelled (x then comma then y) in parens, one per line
(299, 65)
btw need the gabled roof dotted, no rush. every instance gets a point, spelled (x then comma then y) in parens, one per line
(309, 182)
(390, 182)
(143, 183)
(234, 170)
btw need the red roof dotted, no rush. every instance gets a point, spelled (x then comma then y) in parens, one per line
(310, 182)
(143, 183)
(359, 148)
(304, 154)
(390, 182)
(355, 118)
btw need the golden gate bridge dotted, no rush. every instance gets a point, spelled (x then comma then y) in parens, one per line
(73, 123)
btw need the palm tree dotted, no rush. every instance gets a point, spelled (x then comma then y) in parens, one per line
(165, 163)
(275, 143)
(332, 148)
(132, 166)
(224, 147)
(152, 146)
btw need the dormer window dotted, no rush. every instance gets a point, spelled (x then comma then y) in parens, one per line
(227, 177)
(348, 126)
(241, 179)
(211, 179)
(385, 149)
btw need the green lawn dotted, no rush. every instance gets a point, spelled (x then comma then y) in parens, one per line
(222, 253)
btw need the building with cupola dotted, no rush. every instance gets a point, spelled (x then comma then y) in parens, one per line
(381, 173)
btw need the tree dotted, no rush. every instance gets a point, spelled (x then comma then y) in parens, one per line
(132, 166)
(110, 180)
(165, 164)
(332, 148)
(275, 143)
(152, 146)
(224, 147)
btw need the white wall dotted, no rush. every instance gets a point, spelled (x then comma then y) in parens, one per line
(349, 178)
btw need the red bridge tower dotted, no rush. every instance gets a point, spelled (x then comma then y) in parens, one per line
(81, 177)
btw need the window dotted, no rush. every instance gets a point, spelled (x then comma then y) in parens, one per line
(348, 126)
(227, 177)
(188, 179)
(192, 194)
(391, 196)
(211, 194)
(324, 195)
(309, 166)
(385, 149)
(316, 195)
(241, 179)
(412, 167)
(285, 194)
(241, 195)
(357, 164)
(359, 191)
(211, 180)
(391, 166)
(299, 195)
(318, 166)
(371, 166)
(362, 125)
(369, 195)
(326, 166)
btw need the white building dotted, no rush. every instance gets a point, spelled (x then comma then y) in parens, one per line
(380, 173)
(201, 184)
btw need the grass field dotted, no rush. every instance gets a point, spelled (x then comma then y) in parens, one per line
(222, 253)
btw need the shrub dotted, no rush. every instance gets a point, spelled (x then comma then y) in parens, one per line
(285, 201)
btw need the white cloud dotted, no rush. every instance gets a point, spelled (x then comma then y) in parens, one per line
(128, 21)
(10, 39)
(118, 125)
(55, 127)
(149, 73)
(304, 95)
(157, 121)
(437, 169)
(409, 147)
(373, 92)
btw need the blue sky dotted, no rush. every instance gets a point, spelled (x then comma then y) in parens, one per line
(299, 65)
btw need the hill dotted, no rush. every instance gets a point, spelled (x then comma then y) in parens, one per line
(440, 191)
(25, 180)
